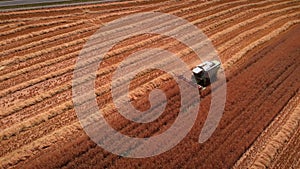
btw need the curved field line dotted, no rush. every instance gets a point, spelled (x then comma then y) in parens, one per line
(42, 32)
(49, 30)
(162, 8)
(48, 76)
(236, 8)
(23, 147)
(260, 41)
(32, 26)
(78, 14)
(298, 21)
(248, 21)
(47, 40)
(86, 6)
(210, 16)
(42, 141)
(15, 21)
(55, 112)
(53, 74)
(280, 29)
(108, 15)
(196, 22)
(18, 60)
(246, 161)
(13, 25)
(117, 13)
(286, 131)
(251, 32)
(236, 123)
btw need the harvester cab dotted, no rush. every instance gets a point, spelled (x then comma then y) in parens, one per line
(206, 73)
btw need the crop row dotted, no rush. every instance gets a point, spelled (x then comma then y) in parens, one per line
(74, 9)
(111, 14)
(260, 154)
(44, 138)
(119, 50)
(40, 33)
(266, 94)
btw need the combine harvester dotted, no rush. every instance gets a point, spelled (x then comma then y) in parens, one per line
(206, 73)
(203, 75)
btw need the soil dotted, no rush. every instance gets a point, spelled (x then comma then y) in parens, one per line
(40, 129)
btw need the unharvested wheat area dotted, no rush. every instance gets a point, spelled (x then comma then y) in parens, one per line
(257, 42)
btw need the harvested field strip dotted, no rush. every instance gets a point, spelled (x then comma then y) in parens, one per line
(260, 41)
(81, 12)
(52, 123)
(289, 154)
(166, 119)
(177, 11)
(47, 77)
(59, 89)
(55, 111)
(52, 103)
(31, 44)
(72, 9)
(211, 9)
(50, 30)
(11, 26)
(18, 29)
(46, 40)
(53, 30)
(261, 31)
(41, 33)
(19, 20)
(36, 120)
(216, 15)
(20, 155)
(234, 123)
(286, 86)
(264, 140)
(242, 127)
(97, 153)
(249, 21)
(110, 14)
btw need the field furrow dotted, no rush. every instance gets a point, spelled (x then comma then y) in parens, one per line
(257, 41)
